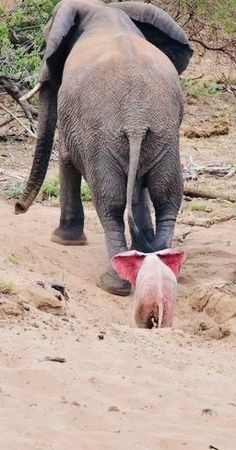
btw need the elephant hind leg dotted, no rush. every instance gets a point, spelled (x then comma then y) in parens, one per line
(70, 230)
(108, 186)
(142, 217)
(166, 189)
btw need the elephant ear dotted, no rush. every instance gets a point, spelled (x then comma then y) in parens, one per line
(161, 30)
(58, 33)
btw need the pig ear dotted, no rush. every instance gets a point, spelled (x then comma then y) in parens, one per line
(127, 264)
(173, 259)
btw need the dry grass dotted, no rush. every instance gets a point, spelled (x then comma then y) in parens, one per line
(7, 287)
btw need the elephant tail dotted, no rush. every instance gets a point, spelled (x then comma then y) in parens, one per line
(138, 237)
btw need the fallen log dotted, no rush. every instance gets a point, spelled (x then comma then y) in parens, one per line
(194, 192)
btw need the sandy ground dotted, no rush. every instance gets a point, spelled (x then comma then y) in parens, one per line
(119, 387)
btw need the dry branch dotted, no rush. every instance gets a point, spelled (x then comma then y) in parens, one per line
(14, 175)
(230, 174)
(180, 238)
(12, 90)
(202, 33)
(207, 223)
(6, 121)
(30, 132)
(191, 171)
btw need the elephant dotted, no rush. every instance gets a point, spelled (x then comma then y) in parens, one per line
(110, 80)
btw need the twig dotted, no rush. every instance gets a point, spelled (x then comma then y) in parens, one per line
(194, 192)
(222, 49)
(196, 78)
(13, 175)
(207, 223)
(5, 122)
(18, 120)
(230, 174)
(208, 47)
(190, 172)
(182, 236)
(228, 86)
(55, 359)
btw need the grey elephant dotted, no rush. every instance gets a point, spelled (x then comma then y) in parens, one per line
(110, 79)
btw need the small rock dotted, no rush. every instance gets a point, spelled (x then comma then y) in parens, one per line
(113, 409)
(101, 335)
(75, 403)
(219, 331)
(208, 412)
(65, 319)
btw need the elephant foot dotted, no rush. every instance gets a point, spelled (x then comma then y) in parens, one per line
(111, 283)
(69, 236)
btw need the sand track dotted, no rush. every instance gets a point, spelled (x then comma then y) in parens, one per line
(135, 389)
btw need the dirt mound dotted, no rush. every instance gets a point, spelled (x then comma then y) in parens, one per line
(218, 303)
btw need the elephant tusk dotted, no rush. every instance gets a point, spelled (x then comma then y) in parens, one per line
(32, 92)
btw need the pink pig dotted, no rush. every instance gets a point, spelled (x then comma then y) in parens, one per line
(154, 276)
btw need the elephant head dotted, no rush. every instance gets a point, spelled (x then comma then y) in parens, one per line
(161, 30)
(68, 22)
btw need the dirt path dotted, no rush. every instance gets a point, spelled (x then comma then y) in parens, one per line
(120, 387)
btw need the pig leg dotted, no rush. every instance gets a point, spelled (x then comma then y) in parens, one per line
(156, 314)
(143, 314)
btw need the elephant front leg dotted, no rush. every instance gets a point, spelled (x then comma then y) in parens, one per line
(70, 230)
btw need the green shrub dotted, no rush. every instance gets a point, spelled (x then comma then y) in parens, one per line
(14, 192)
(85, 191)
(50, 189)
(197, 89)
(27, 21)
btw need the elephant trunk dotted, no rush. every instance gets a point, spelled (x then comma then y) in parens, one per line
(46, 128)
(139, 240)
